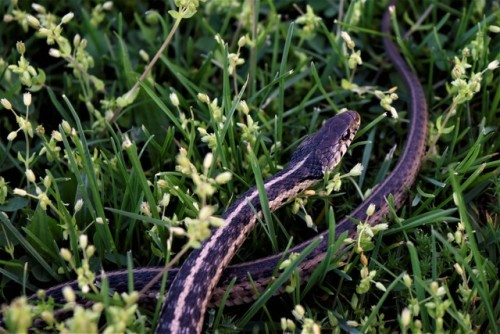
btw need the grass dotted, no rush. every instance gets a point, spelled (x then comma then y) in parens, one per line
(98, 174)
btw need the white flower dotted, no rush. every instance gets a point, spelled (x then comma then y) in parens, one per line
(68, 17)
(174, 99)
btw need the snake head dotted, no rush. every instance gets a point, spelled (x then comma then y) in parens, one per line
(323, 150)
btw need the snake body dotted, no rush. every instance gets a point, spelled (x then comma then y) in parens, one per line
(262, 270)
(185, 308)
(191, 289)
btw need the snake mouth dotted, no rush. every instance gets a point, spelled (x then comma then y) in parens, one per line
(341, 148)
(337, 155)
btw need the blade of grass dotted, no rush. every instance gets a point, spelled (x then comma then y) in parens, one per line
(419, 284)
(82, 146)
(375, 310)
(480, 280)
(27, 246)
(264, 202)
(281, 96)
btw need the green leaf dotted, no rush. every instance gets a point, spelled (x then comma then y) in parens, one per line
(175, 14)
(14, 204)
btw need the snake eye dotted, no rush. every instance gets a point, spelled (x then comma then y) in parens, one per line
(346, 135)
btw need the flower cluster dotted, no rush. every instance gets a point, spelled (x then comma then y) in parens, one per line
(335, 183)
(199, 228)
(366, 232)
(23, 122)
(18, 315)
(234, 59)
(75, 54)
(309, 23)
(85, 276)
(354, 56)
(466, 86)
(386, 97)
(309, 325)
(28, 75)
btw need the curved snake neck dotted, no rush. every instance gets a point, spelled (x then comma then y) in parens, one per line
(261, 270)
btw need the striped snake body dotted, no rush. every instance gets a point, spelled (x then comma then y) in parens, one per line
(262, 270)
(177, 318)
(191, 289)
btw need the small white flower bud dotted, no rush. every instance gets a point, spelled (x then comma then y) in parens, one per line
(441, 291)
(223, 178)
(146, 209)
(76, 40)
(352, 323)
(126, 142)
(33, 21)
(6, 104)
(30, 175)
(47, 181)
(407, 280)
(205, 212)
(55, 53)
(299, 312)
(12, 135)
(78, 205)
(90, 250)
(243, 106)
(347, 39)
(108, 5)
(202, 97)
(394, 113)
(179, 231)
(380, 286)
(21, 47)
(83, 241)
(144, 55)
(65, 254)
(458, 269)
(219, 39)
(68, 17)
(242, 41)
(309, 222)
(69, 294)
(283, 324)
(165, 200)
(174, 99)
(27, 99)
(493, 65)
(216, 221)
(57, 136)
(48, 317)
(371, 210)
(207, 162)
(356, 170)
(38, 8)
(494, 29)
(20, 192)
(405, 317)
(66, 127)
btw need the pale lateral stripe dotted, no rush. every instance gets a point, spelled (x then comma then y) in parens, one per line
(208, 247)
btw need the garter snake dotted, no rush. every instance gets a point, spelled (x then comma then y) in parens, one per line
(261, 270)
(192, 287)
